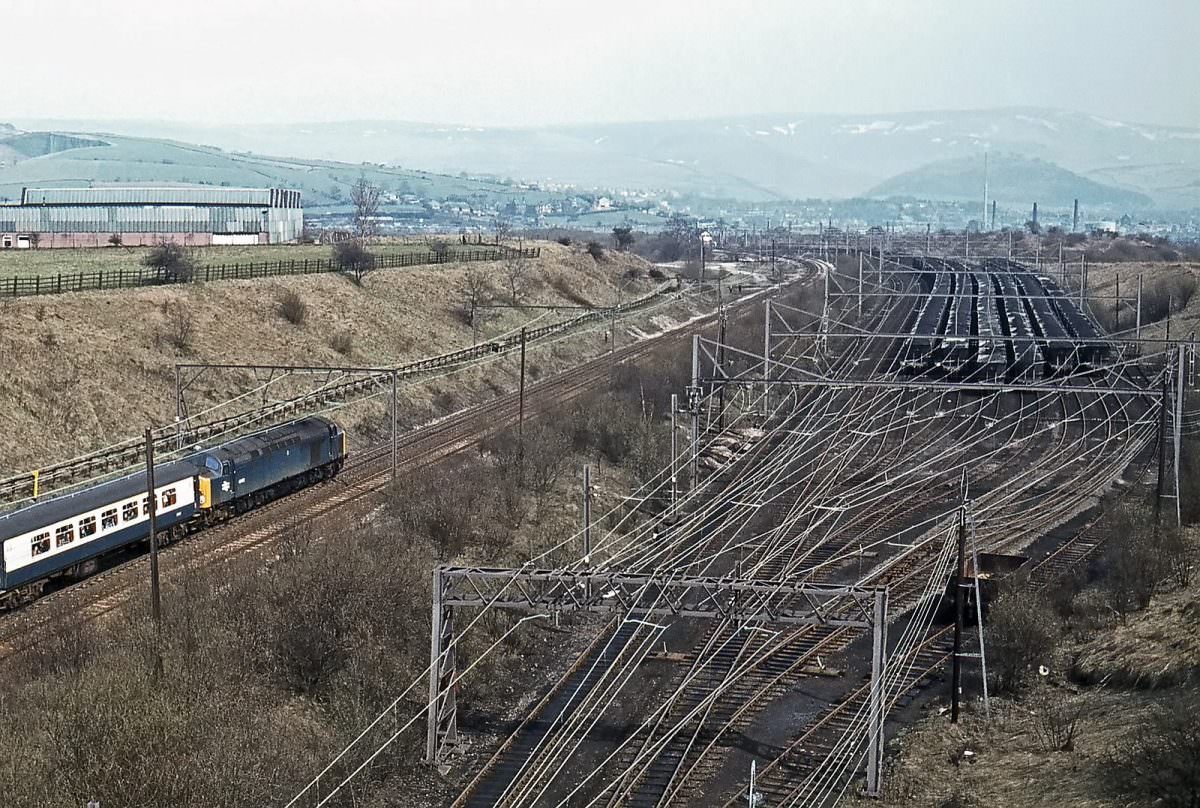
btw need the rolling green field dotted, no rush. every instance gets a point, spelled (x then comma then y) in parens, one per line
(110, 259)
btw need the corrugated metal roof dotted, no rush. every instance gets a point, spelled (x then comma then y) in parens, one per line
(141, 195)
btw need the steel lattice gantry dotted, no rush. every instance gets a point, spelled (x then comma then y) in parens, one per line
(646, 595)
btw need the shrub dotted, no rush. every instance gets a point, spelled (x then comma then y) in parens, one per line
(623, 238)
(115, 240)
(564, 240)
(595, 249)
(1158, 762)
(342, 342)
(1056, 716)
(1021, 632)
(178, 328)
(293, 308)
(1133, 559)
(657, 274)
(1166, 295)
(173, 262)
(353, 257)
(440, 247)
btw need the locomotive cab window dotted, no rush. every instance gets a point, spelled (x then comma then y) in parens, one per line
(87, 527)
(129, 511)
(40, 544)
(169, 498)
(64, 535)
(108, 519)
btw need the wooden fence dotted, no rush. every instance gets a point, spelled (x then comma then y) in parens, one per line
(33, 285)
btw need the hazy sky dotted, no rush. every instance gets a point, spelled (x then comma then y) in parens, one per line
(534, 62)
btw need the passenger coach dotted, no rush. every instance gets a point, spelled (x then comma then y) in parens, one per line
(66, 536)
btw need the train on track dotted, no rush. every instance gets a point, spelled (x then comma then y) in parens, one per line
(65, 537)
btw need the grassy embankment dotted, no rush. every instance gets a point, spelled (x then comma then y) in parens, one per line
(83, 370)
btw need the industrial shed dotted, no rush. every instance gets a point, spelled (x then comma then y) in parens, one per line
(141, 215)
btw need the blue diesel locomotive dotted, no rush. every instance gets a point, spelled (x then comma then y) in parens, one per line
(64, 537)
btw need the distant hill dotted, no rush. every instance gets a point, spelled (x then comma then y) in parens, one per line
(1012, 180)
(72, 159)
(755, 158)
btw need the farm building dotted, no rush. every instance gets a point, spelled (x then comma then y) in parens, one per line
(140, 215)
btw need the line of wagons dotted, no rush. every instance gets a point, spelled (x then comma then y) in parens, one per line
(997, 319)
(65, 537)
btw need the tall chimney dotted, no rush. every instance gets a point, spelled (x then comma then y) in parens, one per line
(983, 222)
(1035, 214)
(993, 214)
(1075, 218)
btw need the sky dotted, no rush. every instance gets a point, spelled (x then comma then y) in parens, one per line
(536, 62)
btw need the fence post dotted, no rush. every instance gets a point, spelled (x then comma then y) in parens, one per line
(59, 285)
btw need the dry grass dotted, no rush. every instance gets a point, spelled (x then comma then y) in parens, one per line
(1103, 279)
(87, 369)
(1008, 766)
(1158, 647)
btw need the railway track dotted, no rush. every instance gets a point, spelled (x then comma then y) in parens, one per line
(721, 694)
(365, 474)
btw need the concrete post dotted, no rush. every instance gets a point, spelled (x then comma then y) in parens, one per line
(876, 708)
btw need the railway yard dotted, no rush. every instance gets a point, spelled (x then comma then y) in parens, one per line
(754, 618)
(849, 484)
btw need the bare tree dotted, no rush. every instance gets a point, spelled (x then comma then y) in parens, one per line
(364, 195)
(503, 229)
(475, 291)
(516, 276)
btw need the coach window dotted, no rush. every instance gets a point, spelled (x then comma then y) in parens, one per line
(129, 511)
(87, 527)
(64, 535)
(40, 544)
(169, 498)
(108, 519)
(145, 506)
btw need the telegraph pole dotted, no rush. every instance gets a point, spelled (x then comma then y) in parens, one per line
(959, 575)
(155, 596)
(1162, 445)
(395, 432)
(1138, 330)
(1117, 305)
(719, 370)
(178, 410)
(860, 289)
(694, 406)
(674, 454)
(521, 410)
(767, 359)
(587, 525)
(1178, 434)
